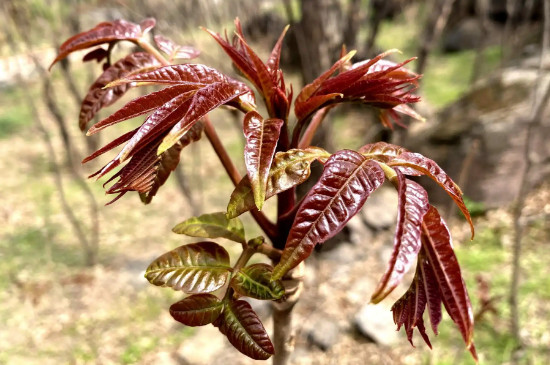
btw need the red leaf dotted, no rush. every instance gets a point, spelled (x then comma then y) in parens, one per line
(429, 168)
(261, 140)
(169, 160)
(347, 181)
(436, 241)
(431, 287)
(244, 330)
(98, 54)
(115, 143)
(105, 32)
(197, 310)
(141, 105)
(174, 50)
(203, 101)
(187, 74)
(99, 97)
(413, 205)
(275, 56)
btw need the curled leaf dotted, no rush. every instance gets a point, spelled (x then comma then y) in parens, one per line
(431, 169)
(105, 32)
(261, 140)
(288, 169)
(244, 330)
(197, 310)
(347, 181)
(255, 281)
(195, 268)
(412, 206)
(381, 151)
(212, 225)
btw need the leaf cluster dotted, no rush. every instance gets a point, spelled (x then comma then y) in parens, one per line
(278, 156)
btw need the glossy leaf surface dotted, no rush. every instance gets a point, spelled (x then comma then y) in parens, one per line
(99, 97)
(347, 181)
(288, 169)
(412, 206)
(255, 281)
(437, 244)
(140, 106)
(105, 32)
(431, 169)
(244, 330)
(197, 310)
(382, 151)
(195, 268)
(212, 225)
(261, 140)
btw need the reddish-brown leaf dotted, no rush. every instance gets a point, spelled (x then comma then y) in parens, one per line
(436, 241)
(99, 97)
(307, 91)
(433, 296)
(174, 50)
(288, 169)
(140, 106)
(347, 181)
(409, 309)
(275, 56)
(261, 140)
(169, 160)
(115, 143)
(188, 74)
(203, 101)
(244, 330)
(98, 55)
(197, 310)
(413, 205)
(431, 169)
(105, 32)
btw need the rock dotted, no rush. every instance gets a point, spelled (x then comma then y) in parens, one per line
(324, 333)
(375, 322)
(380, 210)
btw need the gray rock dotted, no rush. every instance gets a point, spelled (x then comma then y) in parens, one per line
(380, 210)
(324, 333)
(376, 324)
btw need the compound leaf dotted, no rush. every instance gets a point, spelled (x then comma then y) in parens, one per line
(244, 330)
(197, 310)
(194, 268)
(381, 151)
(288, 169)
(412, 206)
(255, 281)
(212, 225)
(184, 74)
(261, 140)
(174, 50)
(347, 181)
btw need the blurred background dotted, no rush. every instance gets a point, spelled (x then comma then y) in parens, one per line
(71, 268)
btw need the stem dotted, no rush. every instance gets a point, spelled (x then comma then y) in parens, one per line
(264, 223)
(147, 47)
(318, 117)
